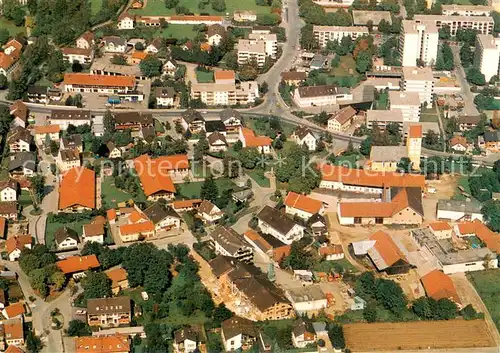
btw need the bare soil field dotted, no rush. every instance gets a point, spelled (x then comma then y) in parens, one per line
(417, 335)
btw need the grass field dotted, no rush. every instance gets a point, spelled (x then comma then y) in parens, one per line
(25, 198)
(178, 31)
(417, 335)
(463, 181)
(157, 8)
(95, 6)
(346, 67)
(193, 190)
(349, 161)
(382, 101)
(13, 29)
(327, 266)
(52, 227)
(487, 284)
(258, 176)
(204, 76)
(111, 195)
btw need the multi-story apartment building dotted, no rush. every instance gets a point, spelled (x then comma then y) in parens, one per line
(270, 42)
(382, 118)
(249, 50)
(418, 41)
(419, 80)
(109, 312)
(408, 102)
(324, 34)
(467, 10)
(483, 24)
(487, 55)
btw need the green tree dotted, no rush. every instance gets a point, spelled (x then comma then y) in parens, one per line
(469, 313)
(404, 165)
(33, 343)
(363, 62)
(170, 4)
(221, 313)
(336, 335)
(249, 157)
(445, 32)
(218, 5)
(491, 214)
(475, 76)
(422, 308)
(366, 146)
(151, 66)
(466, 55)
(77, 328)
(307, 38)
(370, 313)
(3, 81)
(96, 285)
(4, 36)
(390, 294)
(209, 190)
(201, 148)
(299, 258)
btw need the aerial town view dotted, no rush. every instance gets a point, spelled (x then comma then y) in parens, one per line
(209, 176)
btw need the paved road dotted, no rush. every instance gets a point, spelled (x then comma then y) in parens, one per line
(41, 310)
(468, 96)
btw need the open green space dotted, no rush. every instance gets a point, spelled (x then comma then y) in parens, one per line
(348, 161)
(487, 284)
(25, 198)
(111, 195)
(463, 182)
(429, 118)
(178, 31)
(258, 176)
(157, 8)
(382, 101)
(193, 190)
(347, 67)
(52, 227)
(336, 265)
(95, 6)
(11, 27)
(204, 76)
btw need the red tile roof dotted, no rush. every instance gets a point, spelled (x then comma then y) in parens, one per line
(153, 173)
(141, 55)
(415, 131)
(18, 242)
(137, 216)
(47, 129)
(251, 140)
(137, 228)
(439, 226)
(14, 310)
(387, 248)
(490, 238)
(111, 214)
(99, 80)
(196, 18)
(116, 275)
(331, 250)
(185, 203)
(104, 344)
(438, 285)
(458, 140)
(303, 203)
(13, 329)
(77, 188)
(77, 51)
(75, 264)
(363, 177)
(13, 349)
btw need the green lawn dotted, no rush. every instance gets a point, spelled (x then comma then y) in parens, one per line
(25, 198)
(13, 29)
(95, 6)
(204, 76)
(258, 176)
(487, 284)
(52, 227)
(349, 161)
(157, 8)
(429, 118)
(382, 101)
(178, 31)
(193, 190)
(347, 67)
(111, 195)
(327, 266)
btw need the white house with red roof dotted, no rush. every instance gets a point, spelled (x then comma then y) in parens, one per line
(249, 139)
(303, 206)
(126, 21)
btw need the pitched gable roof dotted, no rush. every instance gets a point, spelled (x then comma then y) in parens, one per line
(64, 233)
(153, 173)
(385, 252)
(302, 131)
(438, 285)
(75, 264)
(18, 243)
(276, 219)
(102, 344)
(303, 203)
(77, 188)
(251, 140)
(158, 212)
(228, 239)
